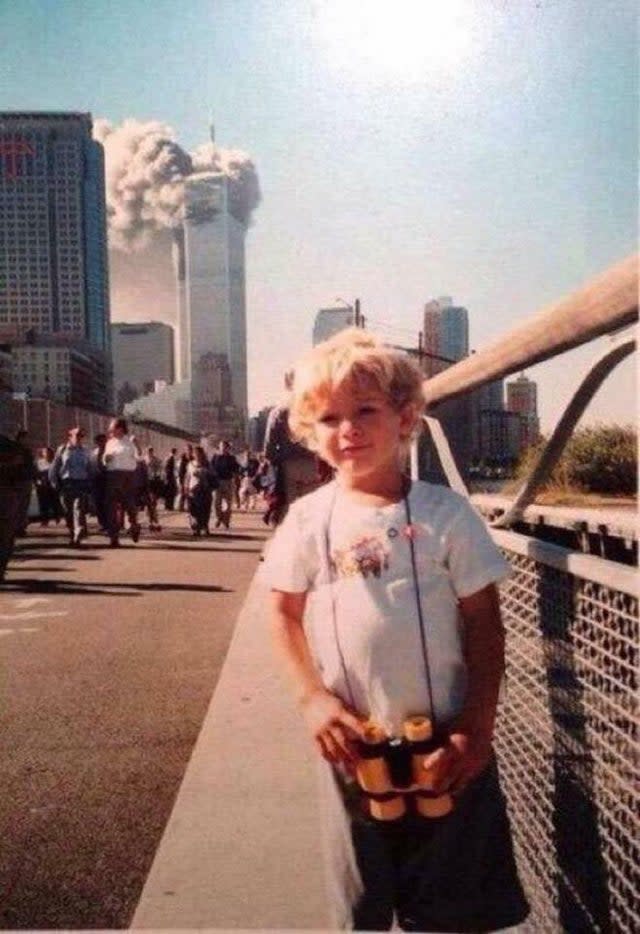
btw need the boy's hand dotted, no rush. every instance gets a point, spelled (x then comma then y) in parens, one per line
(333, 727)
(464, 756)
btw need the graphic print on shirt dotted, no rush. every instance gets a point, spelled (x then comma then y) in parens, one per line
(365, 556)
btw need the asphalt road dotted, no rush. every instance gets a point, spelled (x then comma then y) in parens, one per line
(108, 662)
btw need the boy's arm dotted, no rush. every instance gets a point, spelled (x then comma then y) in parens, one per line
(331, 724)
(468, 749)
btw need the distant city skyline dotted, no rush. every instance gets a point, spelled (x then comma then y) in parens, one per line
(494, 161)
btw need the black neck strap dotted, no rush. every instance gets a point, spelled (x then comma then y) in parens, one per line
(421, 624)
(410, 533)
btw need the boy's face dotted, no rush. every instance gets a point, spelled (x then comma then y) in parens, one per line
(360, 434)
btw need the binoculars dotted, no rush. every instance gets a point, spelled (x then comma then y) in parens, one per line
(391, 774)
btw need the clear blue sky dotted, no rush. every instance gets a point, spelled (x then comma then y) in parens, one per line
(474, 148)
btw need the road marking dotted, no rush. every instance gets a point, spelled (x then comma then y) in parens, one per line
(26, 604)
(8, 632)
(20, 616)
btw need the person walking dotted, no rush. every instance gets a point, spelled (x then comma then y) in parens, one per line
(183, 463)
(21, 439)
(225, 468)
(155, 487)
(120, 458)
(16, 477)
(265, 481)
(295, 465)
(71, 472)
(170, 484)
(99, 481)
(49, 505)
(199, 483)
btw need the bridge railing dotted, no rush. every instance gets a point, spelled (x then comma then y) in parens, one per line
(567, 739)
(567, 736)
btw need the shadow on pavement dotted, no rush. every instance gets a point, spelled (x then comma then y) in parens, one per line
(188, 536)
(32, 585)
(77, 554)
(49, 569)
(212, 548)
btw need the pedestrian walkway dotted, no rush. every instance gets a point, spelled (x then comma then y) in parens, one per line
(241, 849)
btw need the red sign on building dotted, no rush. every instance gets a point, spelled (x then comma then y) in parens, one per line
(11, 152)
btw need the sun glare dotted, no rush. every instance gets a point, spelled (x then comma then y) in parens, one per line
(405, 39)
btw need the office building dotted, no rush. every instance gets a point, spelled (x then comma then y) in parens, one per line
(6, 369)
(329, 321)
(491, 395)
(522, 398)
(499, 438)
(142, 355)
(210, 268)
(257, 429)
(446, 329)
(57, 371)
(53, 239)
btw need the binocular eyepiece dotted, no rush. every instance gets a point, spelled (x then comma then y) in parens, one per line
(391, 773)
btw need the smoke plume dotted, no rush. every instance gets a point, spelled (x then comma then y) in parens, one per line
(145, 171)
(244, 188)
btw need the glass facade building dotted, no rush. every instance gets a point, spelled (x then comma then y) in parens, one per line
(209, 258)
(53, 234)
(446, 329)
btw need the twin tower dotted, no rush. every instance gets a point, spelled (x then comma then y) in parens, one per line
(209, 396)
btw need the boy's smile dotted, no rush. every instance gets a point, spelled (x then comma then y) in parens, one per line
(359, 433)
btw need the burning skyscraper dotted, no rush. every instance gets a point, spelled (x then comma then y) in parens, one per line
(210, 272)
(205, 199)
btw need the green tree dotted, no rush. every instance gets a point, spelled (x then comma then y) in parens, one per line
(597, 459)
(604, 459)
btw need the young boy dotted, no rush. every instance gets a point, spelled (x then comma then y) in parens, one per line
(404, 621)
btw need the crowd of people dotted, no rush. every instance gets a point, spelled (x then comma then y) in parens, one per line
(117, 481)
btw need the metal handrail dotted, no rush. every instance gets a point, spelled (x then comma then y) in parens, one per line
(564, 429)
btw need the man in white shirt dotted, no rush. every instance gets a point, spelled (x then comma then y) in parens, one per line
(120, 458)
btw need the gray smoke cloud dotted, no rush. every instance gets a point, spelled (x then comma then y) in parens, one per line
(145, 171)
(244, 187)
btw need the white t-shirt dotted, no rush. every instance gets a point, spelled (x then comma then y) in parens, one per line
(370, 582)
(121, 453)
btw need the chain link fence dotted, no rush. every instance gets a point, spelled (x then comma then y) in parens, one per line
(567, 739)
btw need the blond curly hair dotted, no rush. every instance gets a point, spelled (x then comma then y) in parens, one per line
(362, 361)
